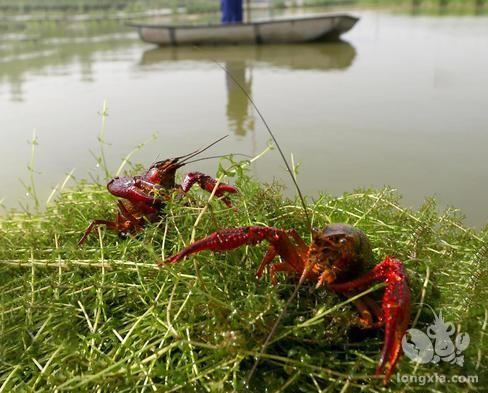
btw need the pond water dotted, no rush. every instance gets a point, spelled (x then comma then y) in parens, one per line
(401, 101)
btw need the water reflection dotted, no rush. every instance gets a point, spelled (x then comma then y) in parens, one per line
(53, 49)
(237, 108)
(318, 57)
(241, 61)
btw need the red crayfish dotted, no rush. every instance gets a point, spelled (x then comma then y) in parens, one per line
(337, 257)
(143, 197)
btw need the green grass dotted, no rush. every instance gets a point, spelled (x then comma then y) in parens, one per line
(105, 5)
(105, 318)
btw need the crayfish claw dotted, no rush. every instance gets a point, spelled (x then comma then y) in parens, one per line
(396, 313)
(395, 308)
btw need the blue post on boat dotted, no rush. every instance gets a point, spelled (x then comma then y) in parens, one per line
(231, 11)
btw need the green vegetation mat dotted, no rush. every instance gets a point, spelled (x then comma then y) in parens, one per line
(104, 318)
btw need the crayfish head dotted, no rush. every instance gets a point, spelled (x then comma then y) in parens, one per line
(164, 172)
(337, 251)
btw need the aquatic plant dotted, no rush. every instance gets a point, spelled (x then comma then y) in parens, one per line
(105, 318)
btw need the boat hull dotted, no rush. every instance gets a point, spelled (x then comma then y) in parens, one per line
(280, 31)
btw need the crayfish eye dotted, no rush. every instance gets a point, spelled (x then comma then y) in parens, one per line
(342, 241)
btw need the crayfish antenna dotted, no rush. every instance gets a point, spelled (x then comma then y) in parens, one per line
(302, 200)
(220, 156)
(188, 156)
(268, 128)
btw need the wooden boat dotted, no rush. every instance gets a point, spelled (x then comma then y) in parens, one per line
(276, 31)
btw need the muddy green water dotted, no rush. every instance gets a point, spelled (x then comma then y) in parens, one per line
(402, 101)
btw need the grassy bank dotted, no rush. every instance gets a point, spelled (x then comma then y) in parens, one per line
(84, 6)
(200, 6)
(104, 318)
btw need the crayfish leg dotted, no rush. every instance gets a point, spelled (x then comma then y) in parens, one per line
(365, 315)
(370, 314)
(126, 219)
(267, 259)
(302, 247)
(280, 267)
(376, 310)
(125, 222)
(109, 224)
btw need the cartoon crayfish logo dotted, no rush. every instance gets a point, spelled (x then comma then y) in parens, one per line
(437, 344)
